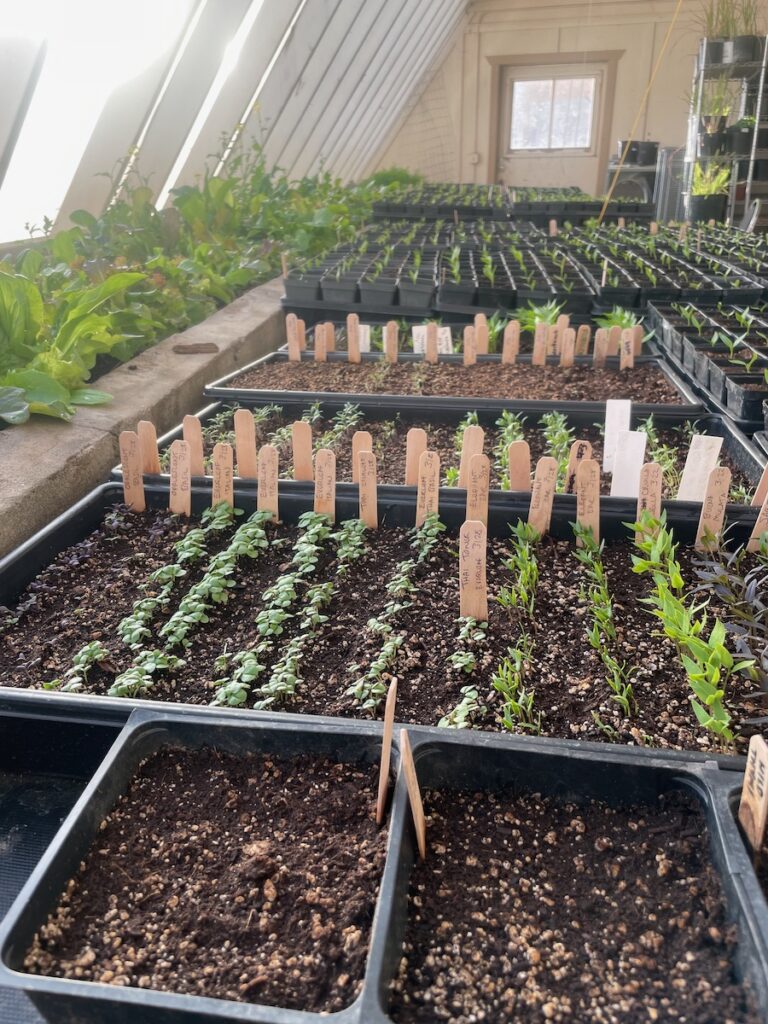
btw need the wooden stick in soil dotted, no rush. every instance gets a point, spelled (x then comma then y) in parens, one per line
(414, 794)
(301, 330)
(473, 590)
(638, 334)
(223, 486)
(653, 228)
(192, 432)
(471, 444)
(580, 450)
(361, 442)
(292, 337)
(553, 339)
(321, 350)
(753, 806)
(390, 341)
(553, 228)
(568, 347)
(649, 492)
(600, 351)
(386, 750)
(180, 491)
(301, 443)
(353, 338)
(519, 466)
(583, 339)
(614, 340)
(539, 354)
(150, 457)
(267, 492)
(761, 491)
(367, 490)
(760, 527)
(428, 488)
(543, 494)
(481, 335)
(330, 336)
(713, 509)
(477, 488)
(701, 460)
(245, 445)
(511, 344)
(588, 497)
(430, 343)
(325, 484)
(415, 446)
(470, 346)
(627, 349)
(133, 477)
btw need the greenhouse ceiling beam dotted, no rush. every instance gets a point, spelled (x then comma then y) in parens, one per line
(21, 61)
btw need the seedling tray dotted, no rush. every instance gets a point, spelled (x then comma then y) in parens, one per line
(469, 762)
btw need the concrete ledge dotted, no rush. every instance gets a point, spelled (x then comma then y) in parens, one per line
(46, 465)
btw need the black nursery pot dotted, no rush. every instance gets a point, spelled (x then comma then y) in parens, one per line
(416, 295)
(632, 152)
(712, 143)
(745, 396)
(461, 293)
(341, 290)
(711, 51)
(381, 292)
(647, 153)
(704, 208)
(742, 50)
(301, 289)
(738, 140)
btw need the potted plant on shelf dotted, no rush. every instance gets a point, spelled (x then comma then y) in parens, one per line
(746, 45)
(716, 104)
(739, 136)
(708, 192)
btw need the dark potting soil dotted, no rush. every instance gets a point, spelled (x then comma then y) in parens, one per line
(527, 909)
(484, 380)
(246, 877)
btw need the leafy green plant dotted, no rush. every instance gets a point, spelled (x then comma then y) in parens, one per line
(533, 315)
(509, 680)
(710, 180)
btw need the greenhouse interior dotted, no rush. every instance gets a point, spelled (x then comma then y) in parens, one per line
(384, 447)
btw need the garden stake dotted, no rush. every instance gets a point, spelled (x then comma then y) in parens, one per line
(390, 341)
(353, 338)
(330, 336)
(621, 223)
(133, 478)
(618, 416)
(266, 493)
(701, 460)
(753, 806)
(223, 474)
(654, 228)
(386, 750)
(477, 488)
(600, 350)
(580, 450)
(470, 346)
(562, 323)
(481, 335)
(367, 492)
(430, 343)
(604, 278)
(519, 466)
(414, 796)
(180, 491)
(472, 444)
(428, 490)
(301, 442)
(649, 492)
(637, 330)
(713, 509)
(150, 457)
(361, 442)
(567, 347)
(761, 491)
(760, 527)
(627, 349)
(588, 498)
(553, 339)
(614, 340)
(543, 494)
(415, 446)
(301, 330)
(511, 343)
(473, 592)
(539, 354)
(325, 484)
(628, 463)
(192, 432)
(245, 445)
(553, 228)
(321, 354)
(583, 338)
(292, 336)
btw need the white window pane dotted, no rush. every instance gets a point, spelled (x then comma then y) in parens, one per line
(531, 110)
(572, 113)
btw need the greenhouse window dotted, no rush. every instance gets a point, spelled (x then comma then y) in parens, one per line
(553, 113)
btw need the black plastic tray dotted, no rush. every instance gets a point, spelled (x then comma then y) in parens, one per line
(223, 390)
(468, 761)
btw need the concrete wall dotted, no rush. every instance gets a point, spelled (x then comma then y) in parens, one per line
(449, 130)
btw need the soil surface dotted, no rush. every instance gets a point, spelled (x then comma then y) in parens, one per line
(527, 909)
(236, 877)
(483, 380)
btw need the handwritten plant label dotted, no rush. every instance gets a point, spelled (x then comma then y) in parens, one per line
(223, 487)
(628, 463)
(422, 333)
(180, 493)
(301, 442)
(580, 450)
(133, 477)
(415, 446)
(701, 460)
(614, 340)
(543, 494)
(390, 341)
(364, 334)
(760, 527)
(519, 466)
(539, 354)
(292, 337)
(511, 343)
(361, 442)
(367, 490)
(150, 457)
(753, 806)
(627, 349)
(414, 795)
(477, 488)
(245, 445)
(588, 496)
(568, 347)
(472, 444)
(583, 339)
(353, 338)
(553, 339)
(470, 346)
(386, 751)
(325, 484)
(618, 416)
(473, 590)
(192, 433)
(428, 488)
(267, 494)
(713, 509)
(600, 351)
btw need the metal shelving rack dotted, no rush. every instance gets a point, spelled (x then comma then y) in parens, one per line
(752, 102)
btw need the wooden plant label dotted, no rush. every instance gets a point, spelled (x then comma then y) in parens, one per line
(386, 750)
(325, 484)
(481, 335)
(470, 346)
(654, 228)
(361, 442)
(444, 341)
(364, 334)
(639, 334)
(753, 806)
(568, 347)
(301, 331)
(580, 450)
(600, 350)
(478, 487)
(414, 794)
(292, 337)
(353, 338)
(511, 344)
(553, 228)
(192, 433)
(618, 416)
(150, 457)
(180, 493)
(430, 343)
(628, 463)
(133, 477)
(701, 460)
(330, 336)
(649, 493)
(480, 320)
(588, 496)
(390, 341)
(415, 446)
(367, 492)
(301, 442)
(614, 340)
(519, 466)
(604, 277)
(621, 223)
(760, 527)
(321, 351)
(223, 487)
(428, 488)
(267, 493)
(713, 508)
(473, 591)
(543, 494)
(245, 445)
(539, 354)
(583, 338)
(627, 350)
(472, 444)
(553, 339)
(761, 491)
